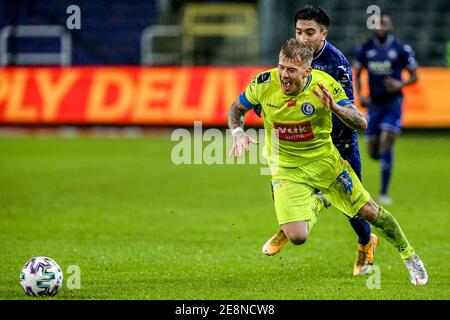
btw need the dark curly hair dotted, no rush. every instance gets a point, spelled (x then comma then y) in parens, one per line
(316, 14)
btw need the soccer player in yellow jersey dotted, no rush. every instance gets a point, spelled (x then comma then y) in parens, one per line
(297, 103)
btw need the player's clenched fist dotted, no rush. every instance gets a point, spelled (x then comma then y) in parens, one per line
(241, 142)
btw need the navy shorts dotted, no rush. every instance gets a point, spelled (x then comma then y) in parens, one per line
(384, 117)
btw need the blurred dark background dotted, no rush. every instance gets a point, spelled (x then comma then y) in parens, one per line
(175, 32)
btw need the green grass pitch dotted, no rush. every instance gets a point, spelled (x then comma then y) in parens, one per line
(140, 227)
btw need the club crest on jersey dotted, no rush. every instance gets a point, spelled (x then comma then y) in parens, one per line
(371, 53)
(392, 54)
(308, 109)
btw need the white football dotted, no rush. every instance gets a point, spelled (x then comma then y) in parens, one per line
(41, 276)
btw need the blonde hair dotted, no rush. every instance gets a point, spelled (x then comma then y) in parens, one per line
(297, 51)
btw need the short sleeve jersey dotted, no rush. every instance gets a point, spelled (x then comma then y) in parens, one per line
(382, 61)
(301, 122)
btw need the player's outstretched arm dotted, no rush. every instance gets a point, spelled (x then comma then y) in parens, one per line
(236, 124)
(349, 114)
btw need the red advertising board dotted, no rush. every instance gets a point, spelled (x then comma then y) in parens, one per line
(167, 95)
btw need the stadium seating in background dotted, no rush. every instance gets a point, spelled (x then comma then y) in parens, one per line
(109, 35)
(116, 32)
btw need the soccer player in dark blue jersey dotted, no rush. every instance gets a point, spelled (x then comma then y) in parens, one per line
(311, 25)
(384, 57)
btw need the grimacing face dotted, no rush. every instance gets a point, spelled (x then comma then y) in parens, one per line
(293, 75)
(310, 32)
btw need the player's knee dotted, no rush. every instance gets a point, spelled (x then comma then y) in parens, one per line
(369, 211)
(296, 232)
(373, 148)
(298, 239)
(385, 147)
(387, 141)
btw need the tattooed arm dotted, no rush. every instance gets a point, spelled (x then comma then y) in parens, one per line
(236, 115)
(348, 113)
(350, 116)
(236, 124)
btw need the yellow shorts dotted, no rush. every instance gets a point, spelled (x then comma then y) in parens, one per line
(293, 189)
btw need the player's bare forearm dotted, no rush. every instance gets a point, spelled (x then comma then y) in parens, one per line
(236, 115)
(363, 101)
(350, 116)
(358, 71)
(358, 87)
(347, 113)
(412, 77)
(241, 140)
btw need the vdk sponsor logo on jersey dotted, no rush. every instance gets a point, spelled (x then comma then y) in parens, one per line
(295, 132)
